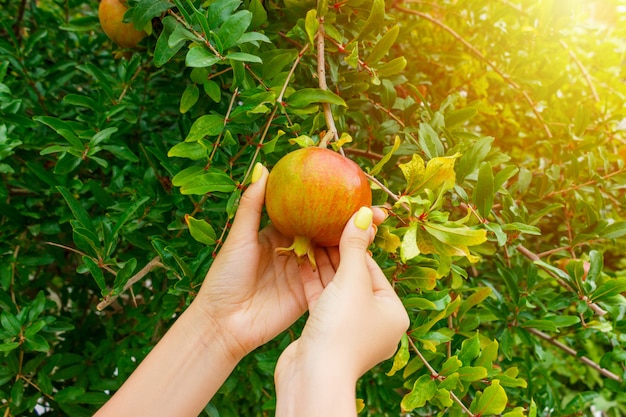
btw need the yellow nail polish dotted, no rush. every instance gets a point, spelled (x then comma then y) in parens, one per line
(363, 218)
(257, 171)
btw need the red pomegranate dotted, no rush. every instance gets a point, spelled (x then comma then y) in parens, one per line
(311, 194)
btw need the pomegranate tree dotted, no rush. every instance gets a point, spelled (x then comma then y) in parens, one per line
(311, 194)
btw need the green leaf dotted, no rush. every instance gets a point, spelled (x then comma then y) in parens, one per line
(306, 96)
(470, 349)
(615, 230)
(393, 67)
(423, 390)
(609, 289)
(418, 277)
(212, 89)
(456, 236)
(383, 45)
(63, 128)
(492, 401)
(244, 57)
(429, 141)
(199, 56)
(10, 323)
(201, 230)
(127, 214)
(484, 190)
(220, 10)
(209, 182)
(77, 209)
(311, 25)
(102, 135)
(476, 298)
(37, 343)
(189, 98)
(374, 21)
(488, 355)
(460, 116)
(163, 51)
(409, 248)
(190, 150)
(233, 28)
(401, 357)
(95, 271)
(472, 373)
(259, 14)
(186, 175)
(7, 347)
(145, 10)
(125, 273)
(207, 125)
(450, 366)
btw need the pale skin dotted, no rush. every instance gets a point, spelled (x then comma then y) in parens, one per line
(242, 305)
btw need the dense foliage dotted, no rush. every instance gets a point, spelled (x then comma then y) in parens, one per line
(494, 131)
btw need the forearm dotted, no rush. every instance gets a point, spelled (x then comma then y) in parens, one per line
(311, 390)
(179, 376)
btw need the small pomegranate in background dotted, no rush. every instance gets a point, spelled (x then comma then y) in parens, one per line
(111, 16)
(311, 194)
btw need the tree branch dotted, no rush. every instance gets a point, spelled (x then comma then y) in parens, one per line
(436, 375)
(485, 60)
(533, 257)
(321, 75)
(583, 70)
(573, 353)
(153, 264)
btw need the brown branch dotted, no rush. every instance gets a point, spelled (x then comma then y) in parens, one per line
(485, 60)
(533, 257)
(321, 75)
(436, 375)
(583, 70)
(153, 264)
(590, 182)
(573, 353)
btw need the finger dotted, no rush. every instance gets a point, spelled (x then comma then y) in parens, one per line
(380, 283)
(311, 284)
(325, 267)
(333, 254)
(248, 216)
(380, 215)
(353, 247)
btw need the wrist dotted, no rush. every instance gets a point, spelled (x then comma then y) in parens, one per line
(213, 335)
(308, 386)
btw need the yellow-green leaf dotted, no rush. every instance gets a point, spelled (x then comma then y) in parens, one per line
(201, 230)
(423, 390)
(396, 144)
(386, 240)
(401, 357)
(492, 401)
(409, 249)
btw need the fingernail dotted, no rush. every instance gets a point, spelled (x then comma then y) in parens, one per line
(363, 218)
(257, 171)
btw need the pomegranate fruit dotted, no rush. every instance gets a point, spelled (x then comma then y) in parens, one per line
(311, 194)
(111, 16)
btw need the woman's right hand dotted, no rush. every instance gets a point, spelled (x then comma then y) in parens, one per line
(356, 321)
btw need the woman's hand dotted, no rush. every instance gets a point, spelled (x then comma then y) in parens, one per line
(356, 321)
(250, 291)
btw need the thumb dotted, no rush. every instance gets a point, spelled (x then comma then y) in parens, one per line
(248, 216)
(355, 239)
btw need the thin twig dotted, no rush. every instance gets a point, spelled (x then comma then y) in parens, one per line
(573, 353)
(583, 70)
(153, 264)
(485, 60)
(436, 375)
(533, 257)
(321, 76)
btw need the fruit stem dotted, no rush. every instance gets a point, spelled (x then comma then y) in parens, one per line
(301, 247)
